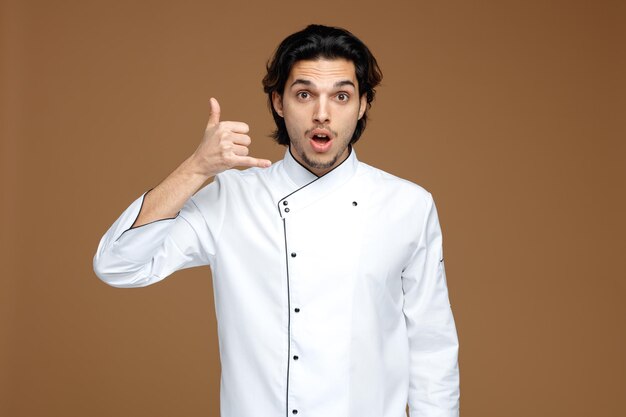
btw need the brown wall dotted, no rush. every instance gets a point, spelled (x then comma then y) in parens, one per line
(512, 115)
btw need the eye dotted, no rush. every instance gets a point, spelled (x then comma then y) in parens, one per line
(303, 95)
(342, 97)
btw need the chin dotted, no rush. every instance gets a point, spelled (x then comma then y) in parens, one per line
(320, 163)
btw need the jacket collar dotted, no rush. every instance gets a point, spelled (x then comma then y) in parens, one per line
(297, 173)
(308, 186)
(301, 175)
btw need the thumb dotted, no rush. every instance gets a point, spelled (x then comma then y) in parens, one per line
(214, 115)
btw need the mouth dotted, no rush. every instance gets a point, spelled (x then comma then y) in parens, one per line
(320, 139)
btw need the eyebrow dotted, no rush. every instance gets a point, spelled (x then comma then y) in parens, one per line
(310, 83)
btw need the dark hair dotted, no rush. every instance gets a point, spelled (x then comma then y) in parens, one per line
(314, 42)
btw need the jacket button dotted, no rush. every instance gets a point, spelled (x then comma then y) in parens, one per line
(287, 210)
(297, 310)
(295, 411)
(293, 254)
(296, 357)
(354, 203)
(285, 203)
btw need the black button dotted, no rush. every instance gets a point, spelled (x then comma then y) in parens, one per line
(293, 254)
(295, 357)
(287, 210)
(354, 203)
(295, 411)
(297, 310)
(285, 203)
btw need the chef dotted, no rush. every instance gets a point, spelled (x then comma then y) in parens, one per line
(328, 274)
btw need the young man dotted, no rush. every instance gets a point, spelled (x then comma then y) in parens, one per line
(330, 288)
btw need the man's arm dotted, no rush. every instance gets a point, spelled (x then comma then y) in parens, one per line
(433, 342)
(164, 230)
(224, 146)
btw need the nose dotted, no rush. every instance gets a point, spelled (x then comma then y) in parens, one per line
(322, 114)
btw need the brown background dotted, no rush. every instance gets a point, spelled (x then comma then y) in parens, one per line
(510, 113)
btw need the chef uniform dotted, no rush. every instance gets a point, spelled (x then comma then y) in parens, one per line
(330, 292)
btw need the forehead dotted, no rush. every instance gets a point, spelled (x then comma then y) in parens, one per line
(323, 69)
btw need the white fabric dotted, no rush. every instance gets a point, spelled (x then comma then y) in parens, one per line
(374, 327)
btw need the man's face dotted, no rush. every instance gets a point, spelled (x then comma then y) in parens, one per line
(321, 107)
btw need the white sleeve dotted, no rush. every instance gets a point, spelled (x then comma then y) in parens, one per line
(433, 341)
(147, 254)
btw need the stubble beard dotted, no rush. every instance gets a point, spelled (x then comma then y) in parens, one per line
(317, 164)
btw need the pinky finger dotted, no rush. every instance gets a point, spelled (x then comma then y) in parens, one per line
(249, 161)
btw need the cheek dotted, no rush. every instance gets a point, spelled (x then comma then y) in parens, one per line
(293, 127)
(292, 121)
(297, 119)
(351, 120)
(292, 113)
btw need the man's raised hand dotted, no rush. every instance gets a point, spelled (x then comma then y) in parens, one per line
(224, 146)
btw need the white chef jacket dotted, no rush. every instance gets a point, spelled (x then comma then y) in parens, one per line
(330, 292)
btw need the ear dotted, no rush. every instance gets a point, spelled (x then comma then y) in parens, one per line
(277, 102)
(362, 105)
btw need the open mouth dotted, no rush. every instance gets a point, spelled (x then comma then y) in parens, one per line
(321, 139)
